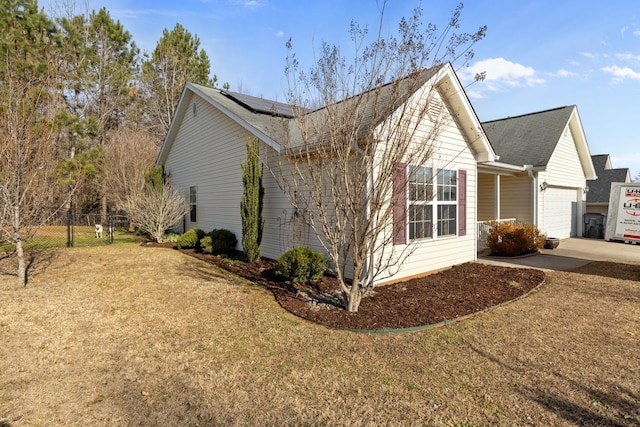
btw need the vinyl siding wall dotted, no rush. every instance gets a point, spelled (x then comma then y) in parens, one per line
(207, 152)
(451, 152)
(486, 197)
(515, 198)
(285, 228)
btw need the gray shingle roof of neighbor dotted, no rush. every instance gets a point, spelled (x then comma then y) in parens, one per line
(600, 162)
(529, 139)
(600, 188)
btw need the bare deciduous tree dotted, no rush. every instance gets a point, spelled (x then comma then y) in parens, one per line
(28, 150)
(129, 157)
(154, 210)
(359, 123)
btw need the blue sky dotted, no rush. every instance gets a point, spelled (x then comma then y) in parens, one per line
(537, 54)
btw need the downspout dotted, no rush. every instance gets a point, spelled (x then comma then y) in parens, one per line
(534, 194)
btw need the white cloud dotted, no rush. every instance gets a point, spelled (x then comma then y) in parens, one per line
(250, 4)
(636, 32)
(621, 73)
(588, 55)
(623, 30)
(565, 73)
(279, 34)
(627, 56)
(501, 74)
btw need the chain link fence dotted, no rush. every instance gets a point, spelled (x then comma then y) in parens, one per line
(77, 229)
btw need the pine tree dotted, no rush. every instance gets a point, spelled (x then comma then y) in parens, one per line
(176, 60)
(251, 204)
(100, 64)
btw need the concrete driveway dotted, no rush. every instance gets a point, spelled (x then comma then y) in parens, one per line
(572, 253)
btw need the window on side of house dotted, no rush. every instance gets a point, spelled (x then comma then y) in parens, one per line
(447, 202)
(428, 208)
(193, 202)
(420, 202)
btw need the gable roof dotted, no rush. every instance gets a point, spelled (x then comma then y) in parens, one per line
(531, 139)
(274, 122)
(255, 120)
(600, 188)
(601, 162)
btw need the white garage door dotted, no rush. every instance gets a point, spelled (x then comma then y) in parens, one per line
(560, 212)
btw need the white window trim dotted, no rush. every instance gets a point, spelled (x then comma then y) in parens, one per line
(434, 203)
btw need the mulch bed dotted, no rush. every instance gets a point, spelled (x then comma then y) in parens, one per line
(457, 291)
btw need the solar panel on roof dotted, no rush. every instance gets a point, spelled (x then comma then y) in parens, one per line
(260, 105)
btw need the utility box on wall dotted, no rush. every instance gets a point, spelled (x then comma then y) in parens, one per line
(623, 221)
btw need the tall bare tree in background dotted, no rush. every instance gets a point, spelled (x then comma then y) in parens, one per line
(130, 155)
(373, 112)
(29, 152)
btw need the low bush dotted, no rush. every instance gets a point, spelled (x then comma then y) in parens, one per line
(514, 238)
(301, 265)
(190, 239)
(170, 237)
(218, 241)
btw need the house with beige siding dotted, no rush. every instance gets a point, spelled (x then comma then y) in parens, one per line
(205, 146)
(551, 163)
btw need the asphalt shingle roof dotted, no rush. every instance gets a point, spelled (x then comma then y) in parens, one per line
(274, 118)
(529, 139)
(600, 188)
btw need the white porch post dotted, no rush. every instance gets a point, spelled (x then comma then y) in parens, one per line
(534, 194)
(496, 202)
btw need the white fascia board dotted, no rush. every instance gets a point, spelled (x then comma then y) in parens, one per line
(452, 89)
(575, 124)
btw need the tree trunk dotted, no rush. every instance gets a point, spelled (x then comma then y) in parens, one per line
(354, 297)
(22, 263)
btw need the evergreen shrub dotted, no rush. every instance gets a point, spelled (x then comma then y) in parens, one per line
(218, 241)
(301, 265)
(190, 239)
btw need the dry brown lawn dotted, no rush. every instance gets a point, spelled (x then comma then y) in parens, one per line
(123, 335)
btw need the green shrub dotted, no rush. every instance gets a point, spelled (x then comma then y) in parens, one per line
(301, 265)
(170, 237)
(218, 241)
(190, 239)
(514, 238)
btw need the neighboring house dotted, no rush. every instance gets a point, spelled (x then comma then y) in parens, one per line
(547, 185)
(599, 189)
(205, 147)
